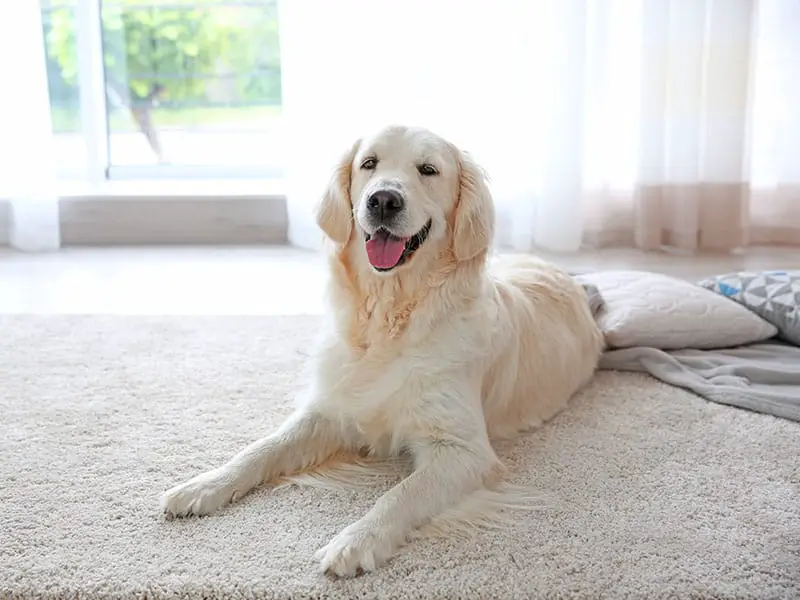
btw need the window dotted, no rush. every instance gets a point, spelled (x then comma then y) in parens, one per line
(164, 88)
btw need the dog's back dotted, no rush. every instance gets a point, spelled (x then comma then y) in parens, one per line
(545, 344)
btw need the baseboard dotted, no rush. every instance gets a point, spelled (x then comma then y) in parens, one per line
(127, 221)
(5, 221)
(144, 220)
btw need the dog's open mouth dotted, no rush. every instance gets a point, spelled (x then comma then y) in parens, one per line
(386, 251)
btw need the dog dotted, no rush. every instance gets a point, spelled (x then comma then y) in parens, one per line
(429, 349)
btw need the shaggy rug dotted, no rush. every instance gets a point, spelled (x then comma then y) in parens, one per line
(655, 492)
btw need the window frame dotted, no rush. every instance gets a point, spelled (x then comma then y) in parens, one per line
(91, 88)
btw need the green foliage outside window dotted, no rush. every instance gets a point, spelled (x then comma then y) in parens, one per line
(177, 51)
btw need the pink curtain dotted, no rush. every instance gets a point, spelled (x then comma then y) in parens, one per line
(717, 161)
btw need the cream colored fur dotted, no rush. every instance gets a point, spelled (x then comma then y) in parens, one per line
(431, 360)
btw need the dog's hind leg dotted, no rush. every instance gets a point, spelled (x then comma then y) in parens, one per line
(306, 439)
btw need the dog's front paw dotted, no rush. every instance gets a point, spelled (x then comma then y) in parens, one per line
(357, 548)
(201, 495)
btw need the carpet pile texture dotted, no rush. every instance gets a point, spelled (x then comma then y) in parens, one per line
(655, 492)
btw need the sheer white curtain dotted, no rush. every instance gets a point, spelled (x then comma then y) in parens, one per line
(652, 123)
(775, 204)
(477, 72)
(26, 161)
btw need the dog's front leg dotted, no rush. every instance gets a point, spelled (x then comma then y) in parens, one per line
(305, 439)
(447, 468)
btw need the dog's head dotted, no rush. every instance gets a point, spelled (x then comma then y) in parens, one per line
(404, 193)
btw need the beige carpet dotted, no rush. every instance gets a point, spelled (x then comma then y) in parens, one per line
(660, 494)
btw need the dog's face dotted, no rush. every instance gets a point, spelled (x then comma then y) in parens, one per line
(403, 182)
(405, 192)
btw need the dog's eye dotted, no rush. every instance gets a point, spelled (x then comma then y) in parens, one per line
(427, 170)
(369, 163)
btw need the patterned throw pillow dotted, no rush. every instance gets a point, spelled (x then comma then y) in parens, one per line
(772, 295)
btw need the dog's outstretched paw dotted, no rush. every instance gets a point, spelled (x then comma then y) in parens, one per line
(357, 549)
(199, 496)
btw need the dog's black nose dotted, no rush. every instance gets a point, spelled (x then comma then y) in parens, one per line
(385, 204)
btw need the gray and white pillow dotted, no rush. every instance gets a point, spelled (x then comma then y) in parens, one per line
(772, 295)
(639, 308)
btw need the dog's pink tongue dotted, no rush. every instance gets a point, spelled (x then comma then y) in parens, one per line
(384, 251)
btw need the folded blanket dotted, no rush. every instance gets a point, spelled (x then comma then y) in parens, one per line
(594, 297)
(761, 377)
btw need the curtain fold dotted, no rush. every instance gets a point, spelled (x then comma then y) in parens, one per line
(694, 100)
(648, 123)
(775, 199)
(26, 159)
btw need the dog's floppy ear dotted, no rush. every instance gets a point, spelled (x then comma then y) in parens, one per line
(473, 224)
(335, 210)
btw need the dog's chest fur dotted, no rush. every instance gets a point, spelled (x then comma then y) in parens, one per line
(394, 343)
(375, 392)
(374, 312)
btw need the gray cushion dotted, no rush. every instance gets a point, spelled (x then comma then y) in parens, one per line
(772, 295)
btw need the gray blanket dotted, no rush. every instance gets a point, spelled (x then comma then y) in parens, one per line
(763, 377)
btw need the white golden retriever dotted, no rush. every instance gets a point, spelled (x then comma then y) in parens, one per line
(429, 350)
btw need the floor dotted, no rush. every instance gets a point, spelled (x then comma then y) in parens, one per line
(258, 280)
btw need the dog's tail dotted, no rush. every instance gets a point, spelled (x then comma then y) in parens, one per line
(484, 509)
